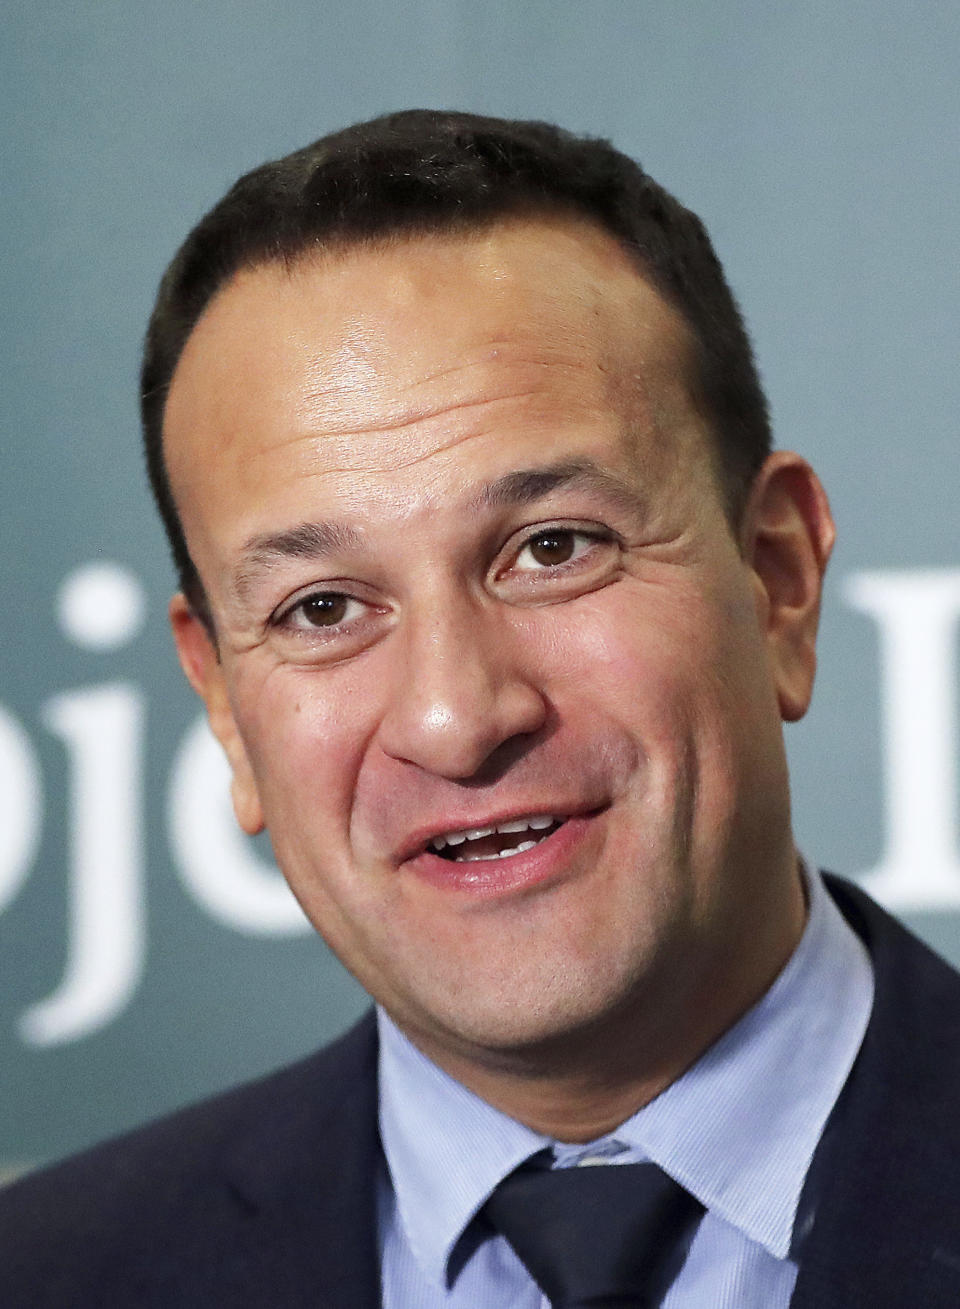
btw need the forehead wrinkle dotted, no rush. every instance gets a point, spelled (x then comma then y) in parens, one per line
(305, 541)
(398, 414)
(399, 463)
(406, 418)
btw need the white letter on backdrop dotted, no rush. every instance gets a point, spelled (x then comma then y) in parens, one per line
(218, 863)
(22, 807)
(916, 613)
(102, 730)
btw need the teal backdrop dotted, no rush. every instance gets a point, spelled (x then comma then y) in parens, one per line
(148, 955)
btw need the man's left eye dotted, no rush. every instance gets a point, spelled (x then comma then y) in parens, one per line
(549, 549)
(325, 609)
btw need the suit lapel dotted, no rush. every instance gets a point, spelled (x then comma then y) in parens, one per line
(304, 1179)
(884, 1229)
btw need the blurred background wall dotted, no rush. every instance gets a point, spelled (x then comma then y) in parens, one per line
(148, 954)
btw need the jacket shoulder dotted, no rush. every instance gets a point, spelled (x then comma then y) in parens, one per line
(177, 1193)
(881, 1191)
(910, 976)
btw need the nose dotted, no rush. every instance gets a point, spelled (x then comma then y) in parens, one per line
(461, 692)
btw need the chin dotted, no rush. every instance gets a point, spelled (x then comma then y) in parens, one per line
(534, 1016)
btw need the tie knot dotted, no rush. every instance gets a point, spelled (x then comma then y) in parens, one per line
(603, 1235)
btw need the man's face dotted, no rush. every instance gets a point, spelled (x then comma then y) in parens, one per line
(469, 569)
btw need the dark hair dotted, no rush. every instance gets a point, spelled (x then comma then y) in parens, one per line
(425, 171)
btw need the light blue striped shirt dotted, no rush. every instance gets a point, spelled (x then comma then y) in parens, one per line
(738, 1130)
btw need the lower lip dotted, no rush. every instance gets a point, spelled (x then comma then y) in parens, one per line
(547, 861)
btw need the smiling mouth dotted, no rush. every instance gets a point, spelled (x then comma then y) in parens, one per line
(478, 844)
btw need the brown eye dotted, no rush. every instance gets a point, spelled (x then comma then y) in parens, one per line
(552, 548)
(325, 609)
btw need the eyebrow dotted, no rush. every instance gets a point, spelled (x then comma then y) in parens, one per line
(306, 541)
(527, 485)
(522, 487)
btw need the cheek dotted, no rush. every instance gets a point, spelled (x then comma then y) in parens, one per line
(680, 671)
(641, 653)
(305, 731)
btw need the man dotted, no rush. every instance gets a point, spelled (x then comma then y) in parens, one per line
(497, 600)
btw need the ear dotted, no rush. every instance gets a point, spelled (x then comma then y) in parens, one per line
(200, 661)
(786, 537)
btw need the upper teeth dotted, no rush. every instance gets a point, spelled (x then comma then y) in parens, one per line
(537, 822)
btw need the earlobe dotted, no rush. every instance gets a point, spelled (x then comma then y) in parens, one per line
(204, 671)
(787, 535)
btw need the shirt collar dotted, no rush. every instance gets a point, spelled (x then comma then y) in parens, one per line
(738, 1129)
(446, 1148)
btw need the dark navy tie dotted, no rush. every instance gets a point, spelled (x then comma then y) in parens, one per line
(610, 1236)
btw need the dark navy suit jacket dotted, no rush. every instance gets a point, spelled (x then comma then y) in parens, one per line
(266, 1197)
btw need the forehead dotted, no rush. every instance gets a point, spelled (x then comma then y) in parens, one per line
(390, 353)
